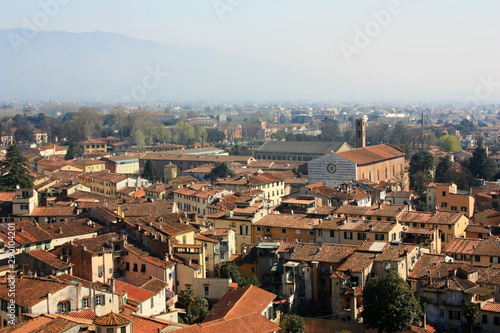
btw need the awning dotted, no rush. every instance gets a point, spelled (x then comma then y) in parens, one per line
(291, 264)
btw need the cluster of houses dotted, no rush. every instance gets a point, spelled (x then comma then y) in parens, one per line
(99, 248)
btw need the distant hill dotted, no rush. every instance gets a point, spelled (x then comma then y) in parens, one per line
(108, 66)
(101, 66)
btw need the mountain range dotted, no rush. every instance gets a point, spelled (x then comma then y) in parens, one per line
(102, 66)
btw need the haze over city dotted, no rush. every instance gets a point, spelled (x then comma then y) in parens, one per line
(405, 51)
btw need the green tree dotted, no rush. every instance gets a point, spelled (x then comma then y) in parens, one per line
(449, 143)
(150, 172)
(329, 130)
(24, 131)
(471, 312)
(74, 151)
(14, 171)
(399, 134)
(185, 297)
(241, 151)
(184, 133)
(201, 134)
(293, 324)
(480, 165)
(139, 139)
(215, 135)
(389, 304)
(234, 272)
(220, 170)
(421, 169)
(444, 170)
(203, 304)
(430, 138)
(252, 279)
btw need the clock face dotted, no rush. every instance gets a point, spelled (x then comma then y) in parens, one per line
(331, 168)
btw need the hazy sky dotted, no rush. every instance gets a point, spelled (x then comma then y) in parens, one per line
(424, 45)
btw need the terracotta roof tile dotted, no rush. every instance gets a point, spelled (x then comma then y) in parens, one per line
(438, 217)
(31, 325)
(462, 246)
(147, 257)
(7, 196)
(86, 313)
(357, 262)
(488, 247)
(241, 302)
(331, 253)
(134, 293)
(31, 291)
(142, 324)
(252, 323)
(204, 238)
(48, 258)
(426, 263)
(372, 154)
(287, 221)
(396, 253)
(112, 319)
(98, 244)
(154, 285)
(491, 307)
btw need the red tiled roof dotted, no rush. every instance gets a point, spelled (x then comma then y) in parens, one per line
(241, 302)
(134, 293)
(98, 244)
(31, 325)
(87, 314)
(372, 154)
(252, 323)
(31, 291)
(112, 319)
(7, 196)
(438, 217)
(425, 264)
(491, 307)
(357, 262)
(48, 258)
(331, 253)
(462, 245)
(154, 285)
(92, 141)
(142, 324)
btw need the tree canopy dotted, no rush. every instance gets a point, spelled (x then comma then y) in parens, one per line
(471, 312)
(293, 324)
(329, 130)
(14, 171)
(444, 170)
(220, 170)
(150, 172)
(389, 304)
(74, 150)
(234, 272)
(480, 165)
(449, 143)
(421, 170)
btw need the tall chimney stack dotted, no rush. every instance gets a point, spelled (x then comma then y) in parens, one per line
(360, 133)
